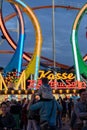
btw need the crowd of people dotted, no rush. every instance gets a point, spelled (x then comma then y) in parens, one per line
(44, 112)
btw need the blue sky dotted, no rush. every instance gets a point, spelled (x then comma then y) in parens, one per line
(64, 20)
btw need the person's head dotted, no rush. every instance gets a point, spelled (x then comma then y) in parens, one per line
(37, 97)
(8, 103)
(83, 94)
(45, 81)
(4, 107)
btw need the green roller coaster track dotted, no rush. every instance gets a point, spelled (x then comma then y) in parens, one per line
(80, 65)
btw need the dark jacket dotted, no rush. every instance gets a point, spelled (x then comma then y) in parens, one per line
(7, 121)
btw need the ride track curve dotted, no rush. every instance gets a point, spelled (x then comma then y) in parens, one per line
(33, 66)
(16, 60)
(6, 33)
(43, 7)
(80, 65)
(28, 57)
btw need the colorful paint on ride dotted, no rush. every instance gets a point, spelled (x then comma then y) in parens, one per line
(16, 61)
(80, 65)
(33, 66)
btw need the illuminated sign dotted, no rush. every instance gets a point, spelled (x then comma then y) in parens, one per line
(56, 81)
(50, 75)
(57, 85)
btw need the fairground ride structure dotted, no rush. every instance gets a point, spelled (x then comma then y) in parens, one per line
(35, 60)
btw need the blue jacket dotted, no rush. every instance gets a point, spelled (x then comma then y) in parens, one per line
(44, 108)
